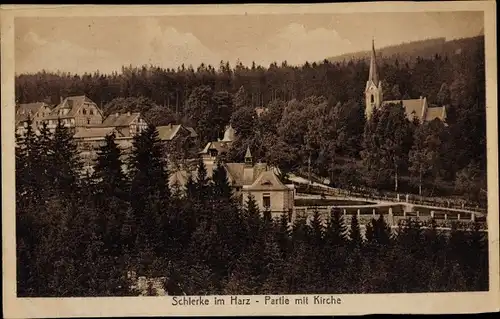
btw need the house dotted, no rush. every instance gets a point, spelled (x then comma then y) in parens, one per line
(414, 108)
(35, 111)
(75, 111)
(180, 142)
(128, 124)
(213, 150)
(248, 179)
(89, 139)
(173, 131)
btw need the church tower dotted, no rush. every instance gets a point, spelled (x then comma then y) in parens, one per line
(373, 91)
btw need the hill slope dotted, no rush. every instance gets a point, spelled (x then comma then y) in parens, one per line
(410, 51)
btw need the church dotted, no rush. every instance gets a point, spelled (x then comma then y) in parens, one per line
(418, 108)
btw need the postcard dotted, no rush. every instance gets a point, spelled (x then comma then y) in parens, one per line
(301, 159)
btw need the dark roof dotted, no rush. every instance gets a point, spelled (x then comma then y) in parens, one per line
(23, 110)
(120, 119)
(94, 132)
(73, 103)
(168, 132)
(220, 146)
(238, 174)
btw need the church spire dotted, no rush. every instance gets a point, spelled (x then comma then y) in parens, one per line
(373, 76)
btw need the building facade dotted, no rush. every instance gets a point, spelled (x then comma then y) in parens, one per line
(257, 180)
(35, 111)
(75, 111)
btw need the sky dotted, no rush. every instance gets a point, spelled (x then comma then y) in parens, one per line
(87, 44)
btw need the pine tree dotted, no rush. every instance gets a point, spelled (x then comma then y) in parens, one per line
(382, 231)
(336, 231)
(355, 233)
(221, 187)
(151, 193)
(66, 166)
(316, 230)
(108, 171)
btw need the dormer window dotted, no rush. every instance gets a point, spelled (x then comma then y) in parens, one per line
(91, 112)
(372, 98)
(84, 111)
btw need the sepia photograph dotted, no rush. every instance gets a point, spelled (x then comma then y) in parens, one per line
(320, 154)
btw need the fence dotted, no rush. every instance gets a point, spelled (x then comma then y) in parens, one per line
(388, 196)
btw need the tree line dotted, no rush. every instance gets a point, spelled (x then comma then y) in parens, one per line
(79, 234)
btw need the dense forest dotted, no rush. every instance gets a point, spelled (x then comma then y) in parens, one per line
(80, 235)
(315, 118)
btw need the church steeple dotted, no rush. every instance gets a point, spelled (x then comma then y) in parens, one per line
(373, 91)
(373, 76)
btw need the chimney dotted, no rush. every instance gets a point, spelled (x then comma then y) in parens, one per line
(117, 114)
(421, 97)
(128, 113)
(61, 98)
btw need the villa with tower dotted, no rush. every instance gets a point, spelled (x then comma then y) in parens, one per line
(414, 108)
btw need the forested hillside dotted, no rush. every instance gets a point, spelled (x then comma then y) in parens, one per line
(410, 51)
(316, 114)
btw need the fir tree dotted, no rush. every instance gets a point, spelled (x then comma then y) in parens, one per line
(336, 231)
(355, 233)
(150, 190)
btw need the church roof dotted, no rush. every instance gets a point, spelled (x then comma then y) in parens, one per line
(413, 107)
(438, 112)
(373, 75)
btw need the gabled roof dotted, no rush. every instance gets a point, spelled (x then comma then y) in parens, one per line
(28, 109)
(243, 175)
(73, 103)
(95, 132)
(220, 146)
(120, 119)
(168, 132)
(267, 180)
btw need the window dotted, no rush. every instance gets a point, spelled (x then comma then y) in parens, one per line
(84, 111)
(266, 200)
(372, 98)
(91, 112)
(88, 121)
